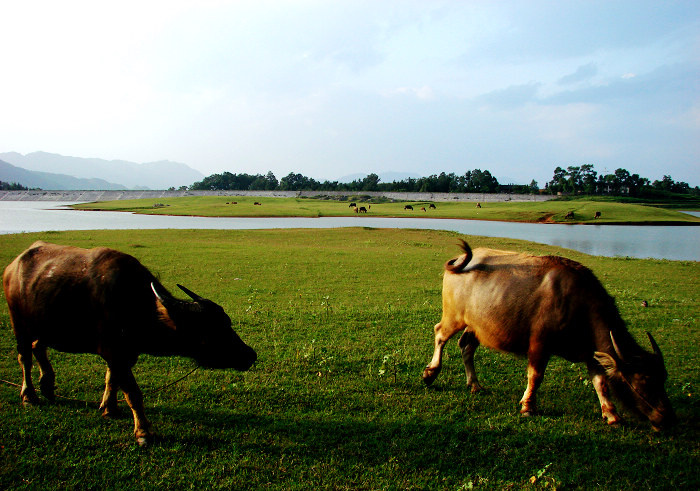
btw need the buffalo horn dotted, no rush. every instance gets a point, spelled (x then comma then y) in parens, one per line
(617, 349)
(163, 296)
(190, 293)
(657, 350)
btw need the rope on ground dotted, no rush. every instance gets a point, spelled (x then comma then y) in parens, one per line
(152, 391)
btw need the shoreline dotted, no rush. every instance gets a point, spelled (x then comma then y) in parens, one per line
(664, 223)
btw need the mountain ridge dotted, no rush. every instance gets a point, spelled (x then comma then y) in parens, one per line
(124, 174)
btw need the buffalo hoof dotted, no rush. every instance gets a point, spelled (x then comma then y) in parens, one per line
(475, 387)
(430, 374)
(48, 391)
(111, 412)
(30, 399)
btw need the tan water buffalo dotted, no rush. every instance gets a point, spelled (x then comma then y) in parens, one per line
(544, 306)
(105, 302)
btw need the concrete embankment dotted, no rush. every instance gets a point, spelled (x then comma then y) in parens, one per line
(90, 196)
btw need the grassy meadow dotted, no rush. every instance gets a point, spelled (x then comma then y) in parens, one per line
(553, 211)
(342, 321)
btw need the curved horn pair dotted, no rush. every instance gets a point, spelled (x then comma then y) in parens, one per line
(164, 296)
(655, 347)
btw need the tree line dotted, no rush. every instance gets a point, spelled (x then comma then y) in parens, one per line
(12, 186)
(585, 180)
(570, 181)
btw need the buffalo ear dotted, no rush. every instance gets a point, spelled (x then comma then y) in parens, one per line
(607, 362)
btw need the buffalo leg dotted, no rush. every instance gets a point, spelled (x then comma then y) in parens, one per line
(48, 377)
(601, 388)
(536, 365)
(443, 332)
(468, 345)
(124, 378)
(27, 393)
(109, 406)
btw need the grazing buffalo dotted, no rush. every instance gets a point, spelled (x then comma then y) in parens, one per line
(544, 306)
(478, 205)
(408, 207)
(569, 215)
(105, 302)
(432, 206)
(363, 209)
(352, 204)
(597, 214)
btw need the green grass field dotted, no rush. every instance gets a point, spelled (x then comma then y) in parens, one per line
(548, 211)
(342, 321)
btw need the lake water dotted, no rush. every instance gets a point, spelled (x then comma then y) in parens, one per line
(662, 242)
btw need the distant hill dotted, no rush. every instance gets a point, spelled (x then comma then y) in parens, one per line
(47, 180)
(127, 175)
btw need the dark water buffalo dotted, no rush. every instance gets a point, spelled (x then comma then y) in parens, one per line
(408, 207)
(105, 302)
(544, 306)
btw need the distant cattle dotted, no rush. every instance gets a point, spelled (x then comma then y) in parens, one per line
(106, 302)
(597, 214)
(363, 209)
(422, 208)
(569, 215)
(408, 207)
(352, 204)
(543, 306)
(478, 205)
(257, 203)
(432, 206)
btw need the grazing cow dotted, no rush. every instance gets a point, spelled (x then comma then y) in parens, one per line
(363, 209)
(352, 204)
(105, 302)
(432, 206)
(478, 205)
(408, 207)
(597, 214)
(544, 306)
(256, 203)
(569, 215)
(422, 208)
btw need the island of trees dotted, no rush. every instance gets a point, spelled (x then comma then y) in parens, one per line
(573, 180)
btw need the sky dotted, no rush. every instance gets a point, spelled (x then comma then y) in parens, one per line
(338, 87)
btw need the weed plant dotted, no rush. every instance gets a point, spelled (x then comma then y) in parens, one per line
(343, 324)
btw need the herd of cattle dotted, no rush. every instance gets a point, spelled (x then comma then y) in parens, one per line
(106, 302)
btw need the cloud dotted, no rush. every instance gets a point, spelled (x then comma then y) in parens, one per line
(513, 96)
(584, 72)
(423, 93)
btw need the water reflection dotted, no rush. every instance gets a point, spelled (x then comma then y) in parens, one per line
(675, 242)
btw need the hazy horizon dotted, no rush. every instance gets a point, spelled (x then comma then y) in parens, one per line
(329, 89)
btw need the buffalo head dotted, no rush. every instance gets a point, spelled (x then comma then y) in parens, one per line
(205, 331)
(638, 381)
